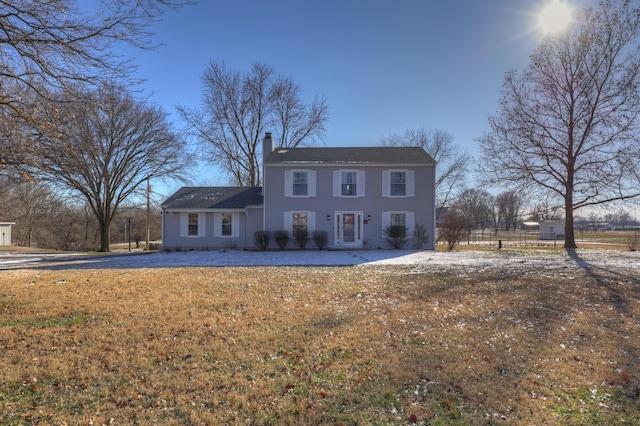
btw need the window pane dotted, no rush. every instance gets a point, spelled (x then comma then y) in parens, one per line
(226, 224)
(193, 224)
(398, 183)
(349, 184)
(397, 219)
(300, 221)
(300, 183)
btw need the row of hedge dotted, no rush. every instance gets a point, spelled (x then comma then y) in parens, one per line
(262, 239)
(396, 236)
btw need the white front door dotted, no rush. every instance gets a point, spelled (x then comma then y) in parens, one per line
(349, 229)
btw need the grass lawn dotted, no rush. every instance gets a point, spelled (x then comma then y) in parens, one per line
(333, 345)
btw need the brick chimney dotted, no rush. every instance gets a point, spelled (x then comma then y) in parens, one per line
(267, 146)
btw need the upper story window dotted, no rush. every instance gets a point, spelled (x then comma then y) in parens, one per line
(193, 224)
(349, 184)
(398, 183)
(300, 183)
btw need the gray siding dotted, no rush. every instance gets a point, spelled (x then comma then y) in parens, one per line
(245, 223)
(373, 204)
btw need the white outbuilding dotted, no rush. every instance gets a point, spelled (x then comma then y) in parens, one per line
(551, 230)
(5, 231)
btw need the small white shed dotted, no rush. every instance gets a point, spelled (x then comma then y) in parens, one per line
(551, 230)
(5, 231)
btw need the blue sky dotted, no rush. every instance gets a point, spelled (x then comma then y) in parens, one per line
(383, 66)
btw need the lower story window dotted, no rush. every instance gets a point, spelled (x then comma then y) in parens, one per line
(227, 224)
(193, 224)
(300, 222)
(398, 219)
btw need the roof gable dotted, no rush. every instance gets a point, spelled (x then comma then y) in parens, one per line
(213, 197)
(353, 155)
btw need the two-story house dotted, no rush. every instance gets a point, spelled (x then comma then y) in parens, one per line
(353, 194)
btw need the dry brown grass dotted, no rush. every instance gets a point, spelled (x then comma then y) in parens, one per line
(285, 345)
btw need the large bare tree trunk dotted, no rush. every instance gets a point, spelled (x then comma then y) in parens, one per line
(105, 237)
(569, 236)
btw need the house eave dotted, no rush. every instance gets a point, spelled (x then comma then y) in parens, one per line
(347, 163)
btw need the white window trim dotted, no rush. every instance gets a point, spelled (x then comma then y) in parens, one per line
(311, 183)
(410, 182)
(409, 221)
(288, 221)
(360, 183)
(235, 225)
(184, 225)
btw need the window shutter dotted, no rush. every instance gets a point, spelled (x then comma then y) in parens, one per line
(411, 183)
(235, 225)
(217, 225)
(410, 219)
(386, 220)
(184, 224)
(288, 183)
(311, 189)
(360, 182)
(288, 222)
(201, 224)
(337, 183)
(311, 222)
(386, 183)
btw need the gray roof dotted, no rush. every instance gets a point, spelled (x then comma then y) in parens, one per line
(357, 155)
(214, 197)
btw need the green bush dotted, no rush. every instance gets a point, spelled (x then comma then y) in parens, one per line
(396, 236)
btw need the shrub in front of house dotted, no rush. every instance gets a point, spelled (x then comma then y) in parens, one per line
(261, 239)
(420, 236)
(396, 236)
(282, 238)
(320, 239)
(301, 237)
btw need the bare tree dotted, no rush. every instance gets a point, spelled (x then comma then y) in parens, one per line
(239, 107)
(453, 230)
(32, 205)
(509, 205)
(105, 150)
(544, 210)
(48, 46)
(44, 217)
(452, 160)
(474, 205)
(569, 123)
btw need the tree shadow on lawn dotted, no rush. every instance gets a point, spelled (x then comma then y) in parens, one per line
(606, 277)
